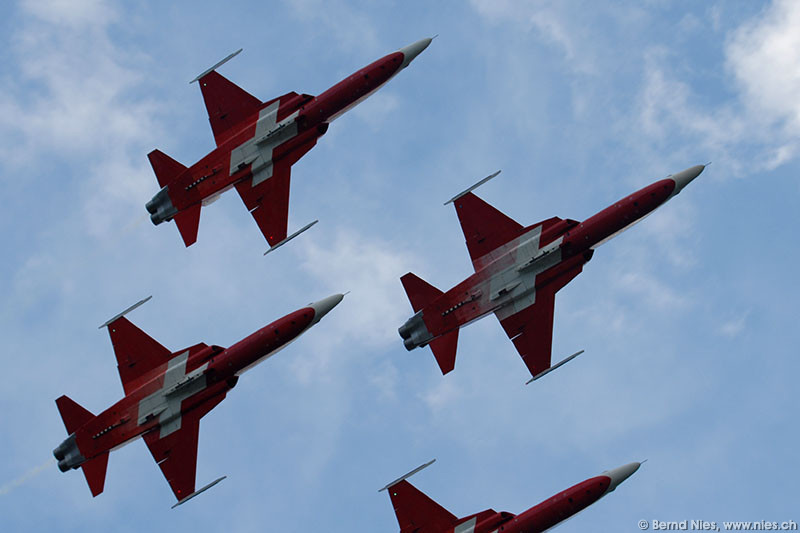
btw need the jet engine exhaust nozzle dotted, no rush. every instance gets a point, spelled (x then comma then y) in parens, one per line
(414, 332)
(160, 207)
(68, 454)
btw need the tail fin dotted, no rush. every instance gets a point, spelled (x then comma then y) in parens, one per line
(420, 292)
(95, 472)
(166, 168)
(444, 350)
(188, 221)
(73, 415)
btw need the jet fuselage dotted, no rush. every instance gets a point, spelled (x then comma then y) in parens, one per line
(417, 512)
(197, 377)
(265, 138)
(507, 279)
(212, 175)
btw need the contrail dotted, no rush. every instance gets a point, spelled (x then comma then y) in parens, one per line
(133, 224)
(30, 474)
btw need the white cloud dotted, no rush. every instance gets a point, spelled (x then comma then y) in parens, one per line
(733, 327)
(377, 109)
(71, 13)
(73, 103)
(444, 395)
(547, 19)
(72, 92)
(648, 288)
(345, 25)
(759, 129)
(667, 106)
(371, 269)
(764, 55)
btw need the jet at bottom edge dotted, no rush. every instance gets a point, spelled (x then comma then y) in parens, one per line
(417, 512)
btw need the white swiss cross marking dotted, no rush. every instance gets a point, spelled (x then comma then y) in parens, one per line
(519, 280)
(466, 527)
(165, 403)
(258, 150)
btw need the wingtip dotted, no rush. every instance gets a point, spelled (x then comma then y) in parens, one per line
(199, 491)
(472, 188)
(125, 312)
(554, 367)
(217, 65)
(408, 475)
(290, 237)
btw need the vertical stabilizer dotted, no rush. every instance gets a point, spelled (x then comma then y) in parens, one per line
(73, 415)
(420, 293)
(68, 454)
(166, 169)
(95, 472)
(444, 350)
(188, 221)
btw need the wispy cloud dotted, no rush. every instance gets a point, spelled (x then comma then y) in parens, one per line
(757, 129)
(370, 268)
(343, 23)
(733, 327)
(764, 56)
(75, 101)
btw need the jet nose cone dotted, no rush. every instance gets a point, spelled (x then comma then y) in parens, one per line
(413, 50)
(620, 474)
(323, 307)
(684, 177)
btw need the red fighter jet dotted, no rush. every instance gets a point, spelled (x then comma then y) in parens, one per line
(166, 395)
(257, 144)
(518, 271)
(417, 513)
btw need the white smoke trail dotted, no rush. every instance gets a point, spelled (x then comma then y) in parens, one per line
(133, 224)
(27, 476)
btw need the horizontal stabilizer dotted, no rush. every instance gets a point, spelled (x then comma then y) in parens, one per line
(165, 168)
(95, 472)
(73, 415)
(420, 292)
(188, 221)
(444, 350)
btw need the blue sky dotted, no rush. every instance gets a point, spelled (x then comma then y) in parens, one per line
(688, 320)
